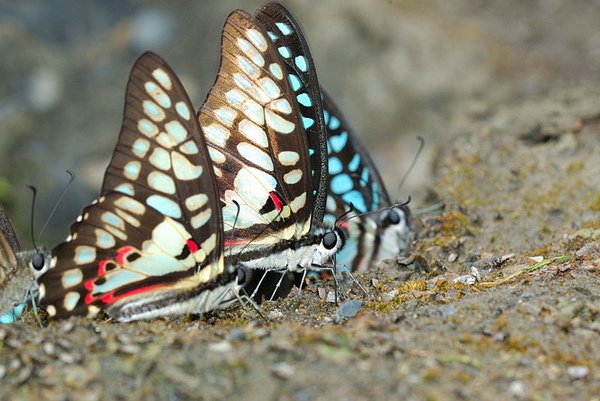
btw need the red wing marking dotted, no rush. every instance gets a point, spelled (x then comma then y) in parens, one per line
(192, 245)
(276, 201)
(122, 253)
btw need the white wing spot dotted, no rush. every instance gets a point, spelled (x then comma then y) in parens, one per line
(253, 132)
(288, 157)
(270, 87)
(255, 155)
(132, 170)
(182, 110)
(161, 182)
(293, 176)
(248, 66)
(281, 105)
(195, 202)
(153, 111)
(160, 159)
(189, 148)
(71, 278)
(226, 115)
(183, 169)
(158, 94)
(257, 39)
(216, 157)
(201, 218)
(176, 130)
(216, 134)
(163, 78)
(84, 254)
(278, 123)
(251, 52)
(140, 147)
(276, 71)
(147, 127)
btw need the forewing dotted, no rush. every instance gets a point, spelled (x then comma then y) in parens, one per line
(285, 33)
(155, 234)
(256, 140)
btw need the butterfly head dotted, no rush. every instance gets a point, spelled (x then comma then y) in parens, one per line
(332, 240)
(39, 263)
(394, 227)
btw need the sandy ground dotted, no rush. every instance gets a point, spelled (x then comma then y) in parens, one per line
(507, 97)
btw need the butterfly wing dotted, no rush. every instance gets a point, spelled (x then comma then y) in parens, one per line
(286, 35)
(152, 243)
(257, 141)
(9, 245)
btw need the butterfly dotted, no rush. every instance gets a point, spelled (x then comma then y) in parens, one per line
(152, 243)
(18, 270)
(381, 229)
(353, 178)
(268, 152)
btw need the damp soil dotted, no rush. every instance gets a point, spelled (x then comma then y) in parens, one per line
(498, 298)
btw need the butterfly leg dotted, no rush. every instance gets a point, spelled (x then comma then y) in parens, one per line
(283, 273)
(259, 284)
(244, 300)
(31, 296)
(304, 273)
(358, 283)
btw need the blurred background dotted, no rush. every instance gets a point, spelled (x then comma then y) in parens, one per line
(397, 69)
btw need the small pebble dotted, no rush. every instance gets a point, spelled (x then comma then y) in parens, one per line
(452, 257)
(390, 296)
(517, 389)
(374, 282)
(526, 294)
(536, 259)
(236, 334)
(347, 310)
(322, 292)
(330, 297)
(283, 370)
(221, 346)
(577, 372)
(49, 348)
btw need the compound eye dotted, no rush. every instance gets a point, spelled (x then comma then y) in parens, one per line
(330, 240)
(393, 217)
(241, 275)
(38, 261)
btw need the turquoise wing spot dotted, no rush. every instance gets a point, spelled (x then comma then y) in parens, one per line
(341, 184)
(307, 122)
(326, 116)
(356, 199)
(272, 36)
(301, 63)
(304, 100)
(364, 177)
(354, 163)
(375, 195)
(338, 142)
(285, 52)
(294, 82)
(335, 166)
(334, 123)
(284, 28)
(311, 151)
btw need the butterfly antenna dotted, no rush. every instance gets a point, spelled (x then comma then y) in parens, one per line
(57, 203)
(34, 195)
(378, 210)
(414, 161)
(437, 208)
